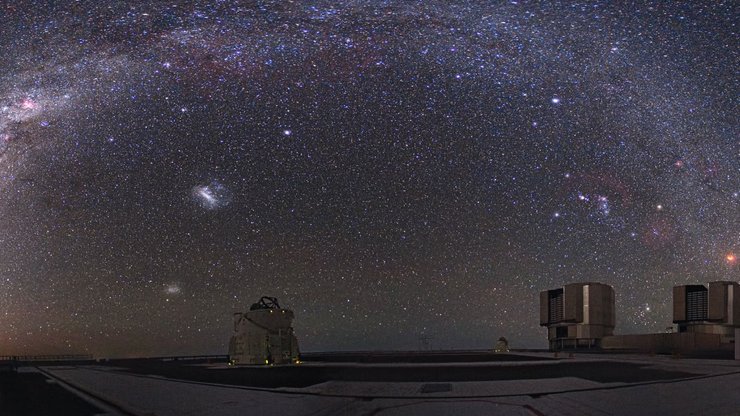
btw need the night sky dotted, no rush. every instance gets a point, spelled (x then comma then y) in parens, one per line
(387, 169)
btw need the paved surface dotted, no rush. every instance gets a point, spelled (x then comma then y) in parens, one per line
(312, 373)
(20, 395)
(712, 389)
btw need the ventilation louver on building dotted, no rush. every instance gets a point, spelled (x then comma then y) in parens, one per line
(556, 305)
(696, 303)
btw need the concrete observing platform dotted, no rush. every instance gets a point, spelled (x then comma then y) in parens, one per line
(522, 384)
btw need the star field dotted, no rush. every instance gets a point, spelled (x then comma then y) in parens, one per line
(390, 170)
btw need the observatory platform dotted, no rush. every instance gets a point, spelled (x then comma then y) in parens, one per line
(513, 384)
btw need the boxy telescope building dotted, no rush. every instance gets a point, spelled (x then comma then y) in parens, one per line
(582, 315)
(578, 315)
(713, 310)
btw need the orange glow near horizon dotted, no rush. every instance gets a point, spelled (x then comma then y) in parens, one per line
(731, 258)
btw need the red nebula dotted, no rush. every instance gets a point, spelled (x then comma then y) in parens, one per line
(29, 104)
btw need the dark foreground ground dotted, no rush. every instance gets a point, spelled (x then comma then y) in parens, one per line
(417, 357)
(32, 394)
(375, 383)
(393, 369)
